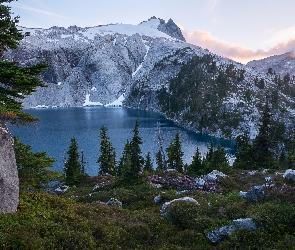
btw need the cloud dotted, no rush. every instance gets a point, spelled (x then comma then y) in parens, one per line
(236, 52)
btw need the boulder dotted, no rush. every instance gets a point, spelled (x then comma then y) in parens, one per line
(158, 199)
(114, 202)
(289, 174)
(213, 176)
(163, 210)
(255, 193)
(219, 234)
(246, 223)
(200, 182)
(9, 183)
(226, 231)
(62, 189)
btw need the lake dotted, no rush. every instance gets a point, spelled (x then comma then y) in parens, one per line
(55, 128)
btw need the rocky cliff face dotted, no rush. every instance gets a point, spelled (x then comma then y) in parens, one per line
(9, 184)
(141, 63)
(92, 66)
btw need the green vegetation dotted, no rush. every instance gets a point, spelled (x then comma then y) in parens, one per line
(72, 165)
(107, 158)
(16, 81)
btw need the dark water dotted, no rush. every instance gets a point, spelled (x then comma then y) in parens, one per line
(56, 127)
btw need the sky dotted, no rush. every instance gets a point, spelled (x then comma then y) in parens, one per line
(242, 30)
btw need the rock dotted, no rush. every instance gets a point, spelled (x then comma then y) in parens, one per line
(252, 172)
(62, 189)
(114, 202)
(163, 210)
(226, 231)
(246, 223)
(95, 187)
(268, 179)
(213, 176)
(9, 183)
(200, 182)
(289, 174)
(256, 193)
(219, 234)
(158, 199)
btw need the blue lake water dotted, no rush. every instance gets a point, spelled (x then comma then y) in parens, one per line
(53, 132)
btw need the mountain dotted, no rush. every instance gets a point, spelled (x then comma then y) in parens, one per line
(150, 66)
(279, 64)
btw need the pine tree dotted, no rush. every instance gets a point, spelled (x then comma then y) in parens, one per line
(72, 165)
(124, 166)
(159, 161)
(16, 81)
(107, 158)
(219, 161)
(262, 143)
(32, 167)
(175, 154)
(244, 154)
(148, 166)
(135, 151)
(196, 166)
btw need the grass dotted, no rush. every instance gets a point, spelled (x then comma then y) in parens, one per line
(80, 219)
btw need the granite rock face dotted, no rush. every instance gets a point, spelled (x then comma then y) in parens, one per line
(9, 183)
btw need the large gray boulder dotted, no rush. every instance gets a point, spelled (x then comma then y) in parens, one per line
(256, 193)
(9, 183)
(289, 174)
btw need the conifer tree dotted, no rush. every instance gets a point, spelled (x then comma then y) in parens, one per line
(135, 152)
(175, 154)
(262, 143)
(219, 161)
(107, 158)
(245, 154)
(72, 165)
(16, 81)
(196, 166)
(32, 167)
(148, 166)
(159, 161)
(124, 166)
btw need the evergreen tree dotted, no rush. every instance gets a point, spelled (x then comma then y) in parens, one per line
(32, 167)
(219, 160)
(196, 166)
(175, 154)
(125, 161)
(148, 166)
(135, 152)
(72, 165)
(107, 158)
(262, 143)
(16, 81)
(159, 161)
(244, 154)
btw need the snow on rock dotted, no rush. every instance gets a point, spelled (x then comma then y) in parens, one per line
(89, 103)
(117, 103)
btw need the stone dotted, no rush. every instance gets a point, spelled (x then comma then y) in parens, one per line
(163, 210)
(289, 174)
(219, 234)
(224, 232)
(9, 182)
(158, 199)
(200, 182)
(255, 193)
(213, 176)
(62, 189)
(268, 179)
(114, 202)
(246, 223)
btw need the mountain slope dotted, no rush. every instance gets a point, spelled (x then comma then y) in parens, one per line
(151, 67)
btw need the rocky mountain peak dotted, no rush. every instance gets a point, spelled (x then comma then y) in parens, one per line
(171, 29)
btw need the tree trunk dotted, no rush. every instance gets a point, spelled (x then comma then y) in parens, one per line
(9, 183)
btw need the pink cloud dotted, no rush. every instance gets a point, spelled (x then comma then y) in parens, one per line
(236, 52)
